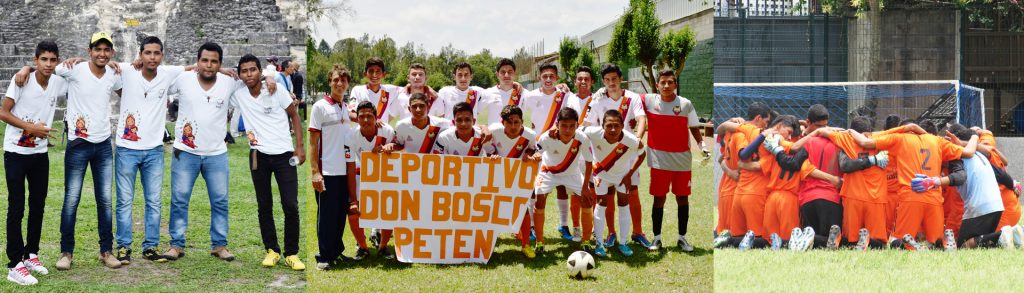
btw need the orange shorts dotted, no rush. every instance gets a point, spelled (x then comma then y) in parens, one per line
(912, 216)
(953, 208)
(859, 214)
(661, 180)
(1011, 208)
(724, 212)
(748, 214)
(781, 213)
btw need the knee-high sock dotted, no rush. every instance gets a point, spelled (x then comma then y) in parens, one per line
(587, 217)
(563, 212)
(574, 210)
(538, 225)
(385, 236)
(683, 217)
(624, 218)
(657, 215)
(524, 230)
(599, 219)
(353, 224)
(636, 212)
(609, 213)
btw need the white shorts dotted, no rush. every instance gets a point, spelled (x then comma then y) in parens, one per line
(547, 182)
(601, 188)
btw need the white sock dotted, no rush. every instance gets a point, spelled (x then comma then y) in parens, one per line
(624, 224)
(599, 223)
(563, 212)
(657, 237)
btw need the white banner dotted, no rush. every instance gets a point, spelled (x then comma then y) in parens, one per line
(444, 209)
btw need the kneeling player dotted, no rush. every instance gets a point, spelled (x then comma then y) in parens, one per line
(612, 174)
(560, 166)
(368, 137)
(512, 140)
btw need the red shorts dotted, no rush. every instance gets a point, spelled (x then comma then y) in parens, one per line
(662, 179)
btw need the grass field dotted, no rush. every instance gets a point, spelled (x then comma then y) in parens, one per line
(508, 269)
(198, 272)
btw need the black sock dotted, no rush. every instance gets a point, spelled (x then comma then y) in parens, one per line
(876, 244)
(657, 214)
(683, 218)
(759, 243)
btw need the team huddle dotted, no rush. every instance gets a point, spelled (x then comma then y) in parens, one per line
(205, 94)
(801, 184)
(589, 144)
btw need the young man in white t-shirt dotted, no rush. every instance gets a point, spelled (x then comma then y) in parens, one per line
(417, 78)
(543, 104)
(384, 96)
(506, 92)
(463, 92)
(614, 151)
(199, 148)
(329, 128)
(565, 161)
(369, 136)
(463, 139)
(269, 120)
(613, 97)
(512, 140)
(28, 112)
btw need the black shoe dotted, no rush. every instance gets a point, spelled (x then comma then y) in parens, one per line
(361, 254)
(385, 253)
(124, 255)
(152, 255)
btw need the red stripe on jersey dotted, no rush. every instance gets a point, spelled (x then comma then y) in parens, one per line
(586, 109)
(574, 149)
(474, 147)
(471, 99)
(514, 98)
(610, 160)
(663, 133)
(429, 138)
(518, 148)
(556, 104)
(382, 104)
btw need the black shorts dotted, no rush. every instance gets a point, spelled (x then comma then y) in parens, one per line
(977, 226)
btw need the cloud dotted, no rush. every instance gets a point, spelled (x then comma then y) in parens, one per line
(501, 26)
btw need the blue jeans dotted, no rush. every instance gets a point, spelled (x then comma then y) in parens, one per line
(185, 168)
(79, 155)
(151, 163)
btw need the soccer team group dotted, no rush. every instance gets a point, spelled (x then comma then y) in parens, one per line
(589, 145)
(801, 184)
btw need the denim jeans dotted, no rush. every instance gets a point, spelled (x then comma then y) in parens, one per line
(79, 155)
(185, 168)
(151, 164)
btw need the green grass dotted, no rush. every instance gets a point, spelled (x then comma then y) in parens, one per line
(198, 272)
(508, 269)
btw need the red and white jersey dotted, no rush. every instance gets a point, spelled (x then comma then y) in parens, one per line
(438, 107)
(449, 144)
(358, 143)
(612, 160)
(558, 158)
(419, 140)
(629, 104)
(582, 107)
(331, 120)
(544, 108)
(511, 147)
(669, 146)
(496, 100)
(385, 100)
(473, 95)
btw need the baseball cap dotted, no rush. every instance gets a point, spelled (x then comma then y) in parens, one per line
(98, 37)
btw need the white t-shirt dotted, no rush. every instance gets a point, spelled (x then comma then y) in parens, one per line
(554, 152)
(449, 144)
(32, 104)
(266, 119)
(356, 143)
(202, 114)
(660, 115)
(385, 100)
(612, 160)
(438, 108)
(496, 100)
(543, 109)
(332, 121)
(88, 111)
(630, 104)
(144, 102)
(417, 140)
(473, 95)
(511, 147)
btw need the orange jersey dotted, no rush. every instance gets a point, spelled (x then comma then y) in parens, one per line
(727, 186)
(751, 182)
(987, 138)
(779, 179)
(867, 184)
(918, 154)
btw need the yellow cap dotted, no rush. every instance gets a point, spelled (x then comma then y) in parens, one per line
(100, 36)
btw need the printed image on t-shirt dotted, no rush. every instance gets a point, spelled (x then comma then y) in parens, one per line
(27, 140)
(131, 130)
(80, 127)
(187, 137)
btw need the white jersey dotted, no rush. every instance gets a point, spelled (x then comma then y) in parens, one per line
(582, 107)
(357, 143)
(544, 108)
(473, 95)
(331, 120)
(612, 160)
(559, 158)
(511, 147)
(496, 100)
(32, 104)
(629, 104)
(266, 119)
(438, 107)
(419, 140)
(144, 107)
(202, 114)
(385, 100)
(88, 111)
(449, 144)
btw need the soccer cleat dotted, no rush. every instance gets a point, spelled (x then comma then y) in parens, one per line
(600, 250)
(361, 254)
(682, 244)
(564, 230)
(385, 253)
(642, 240)
(375, 238)
(20, 275)
(776, 241)
(271, 259)
(910, 243)
(34, 265)
(833, 237)
(722, 239)
(794, 239)
(1006, 237)
(152, 255)
(1018, 236)
(295, 263)
(748, 240)
(124, 255)
(655, 245)
(808, 240)
(610, 241)
(950, 242)
(528, 252)
(862, 239)
(626, 251)
(533, 236)
(577, 234)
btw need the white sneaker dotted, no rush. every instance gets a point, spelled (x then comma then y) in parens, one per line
(33, 264)
(684, 245)
(20, 275)
(577, 234)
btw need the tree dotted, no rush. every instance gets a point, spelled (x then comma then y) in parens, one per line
(332, 10)
(324, 48)
(567, 51)
(675, 46)
(483, 64)
(618, 46)
(645, 45)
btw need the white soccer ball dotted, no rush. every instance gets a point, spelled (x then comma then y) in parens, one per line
(580, 264)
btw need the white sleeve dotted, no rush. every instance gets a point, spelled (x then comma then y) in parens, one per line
(172, 70)
(350, 147)
(637, 107)
(691, 113)
(64, 71)
(315, 121)
(13, 91)
(282, 99)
